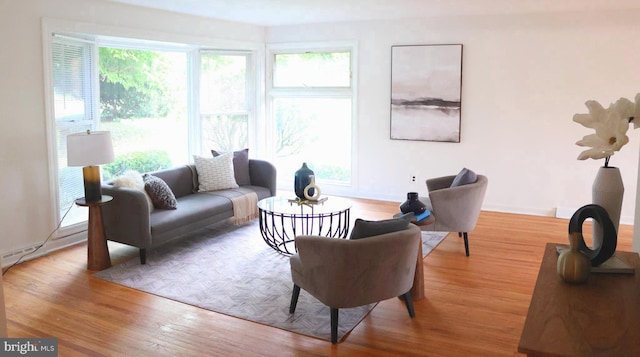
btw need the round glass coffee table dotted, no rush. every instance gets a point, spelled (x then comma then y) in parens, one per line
(282, 220)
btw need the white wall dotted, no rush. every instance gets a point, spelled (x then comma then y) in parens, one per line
(26, 214)
(523, 79)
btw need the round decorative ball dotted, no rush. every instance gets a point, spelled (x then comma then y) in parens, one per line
(573, 265)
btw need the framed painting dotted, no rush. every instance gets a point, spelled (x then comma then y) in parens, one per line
(426, 88)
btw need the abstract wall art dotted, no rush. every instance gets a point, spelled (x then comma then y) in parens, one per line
(426, 87)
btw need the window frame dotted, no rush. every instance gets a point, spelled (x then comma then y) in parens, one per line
(251, 91)
(272, 93)
(52, 124)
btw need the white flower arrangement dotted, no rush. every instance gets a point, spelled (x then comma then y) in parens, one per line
(611, 125)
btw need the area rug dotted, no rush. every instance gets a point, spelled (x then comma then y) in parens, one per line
(231, 270)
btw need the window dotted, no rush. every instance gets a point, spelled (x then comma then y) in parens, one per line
(73, 63)
(311, 104)
(162, 102)
(143, 103)
(312, 70)
(225, 100)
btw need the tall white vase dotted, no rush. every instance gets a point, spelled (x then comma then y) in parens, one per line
(607, 191)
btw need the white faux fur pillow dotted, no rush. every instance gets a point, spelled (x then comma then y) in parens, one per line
(130, 179)
(215, 173)
(133, 179)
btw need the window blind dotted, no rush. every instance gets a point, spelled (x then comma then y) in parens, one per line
(73, 93)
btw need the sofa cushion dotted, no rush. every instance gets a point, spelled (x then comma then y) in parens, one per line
(215, 173)
(193, 208)
(464, 177)
(160, 193)
(178, 178)
(262, 192)
(363, 228)
(240, 166)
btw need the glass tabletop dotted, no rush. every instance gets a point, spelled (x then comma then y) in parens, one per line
(282, 205)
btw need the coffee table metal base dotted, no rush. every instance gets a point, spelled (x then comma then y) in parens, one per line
(280, 229)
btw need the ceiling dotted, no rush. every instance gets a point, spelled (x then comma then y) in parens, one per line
(289, 12)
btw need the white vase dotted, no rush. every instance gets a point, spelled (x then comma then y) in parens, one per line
(607, 191)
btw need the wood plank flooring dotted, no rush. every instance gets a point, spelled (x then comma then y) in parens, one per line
(474, 306)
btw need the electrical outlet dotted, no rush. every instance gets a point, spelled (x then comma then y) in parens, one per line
(413, 179)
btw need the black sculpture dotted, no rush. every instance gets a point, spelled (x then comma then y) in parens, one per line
(609, 239)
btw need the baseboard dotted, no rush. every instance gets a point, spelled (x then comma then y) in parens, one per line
(558, 212)
(32, 251)
(565, 212)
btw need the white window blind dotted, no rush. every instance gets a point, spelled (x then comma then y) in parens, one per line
(74, 112)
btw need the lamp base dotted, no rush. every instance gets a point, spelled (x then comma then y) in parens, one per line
(92, 190)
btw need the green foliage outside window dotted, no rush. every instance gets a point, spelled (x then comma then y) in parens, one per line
(332, 172)
(141, 161)
(130, 84)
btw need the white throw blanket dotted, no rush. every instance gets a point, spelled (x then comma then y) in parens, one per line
(245, 203)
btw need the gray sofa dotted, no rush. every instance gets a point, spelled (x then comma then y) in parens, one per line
(128, 219)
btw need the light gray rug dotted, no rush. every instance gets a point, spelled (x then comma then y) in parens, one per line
(231, 270)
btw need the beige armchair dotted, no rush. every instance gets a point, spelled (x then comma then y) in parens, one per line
(456, 209)
(344, 273)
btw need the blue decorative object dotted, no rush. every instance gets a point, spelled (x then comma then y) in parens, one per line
(413, 204)
(301, 180)
(423, 215)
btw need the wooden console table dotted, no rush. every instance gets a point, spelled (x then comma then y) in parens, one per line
(97, 250)
(598, 318)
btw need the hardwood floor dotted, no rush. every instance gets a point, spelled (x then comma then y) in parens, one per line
(474, 306)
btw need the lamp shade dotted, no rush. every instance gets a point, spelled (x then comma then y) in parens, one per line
(91, 148)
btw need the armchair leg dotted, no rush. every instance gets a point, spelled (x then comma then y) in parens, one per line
(466, 243)
(143, 256)
(294, 299)
(459, 234)
(334, 325)
(408, 300)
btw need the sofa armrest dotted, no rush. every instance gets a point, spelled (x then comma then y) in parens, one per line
(126, 218)
(263, 173)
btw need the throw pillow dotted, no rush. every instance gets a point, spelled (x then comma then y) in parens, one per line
(240, 166)
(129, 179)
(464, 177)
(215, 173)
(160, 193)
(133, 179)
(364, 229)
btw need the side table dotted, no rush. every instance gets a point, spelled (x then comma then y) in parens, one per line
(417, 291)
(97, 250)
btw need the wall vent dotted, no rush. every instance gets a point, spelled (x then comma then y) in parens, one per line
(16, 254)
